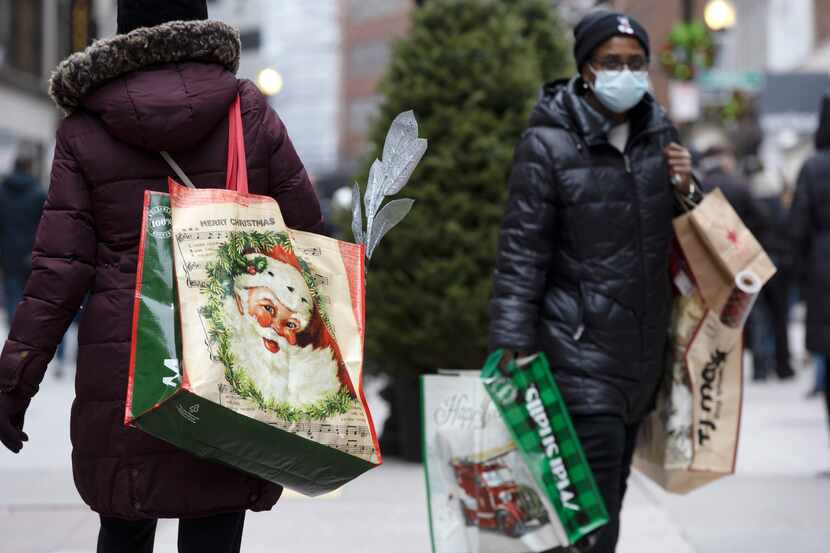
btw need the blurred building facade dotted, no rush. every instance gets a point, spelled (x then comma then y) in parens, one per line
(34, 35)
(370, 28)
(786, 43)
(301, 42)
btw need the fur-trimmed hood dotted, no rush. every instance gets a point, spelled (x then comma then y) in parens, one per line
(173, 42)
(156, 88)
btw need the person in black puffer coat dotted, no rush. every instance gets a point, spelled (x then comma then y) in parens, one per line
(21, 203)
(810, 238)
(582, 271)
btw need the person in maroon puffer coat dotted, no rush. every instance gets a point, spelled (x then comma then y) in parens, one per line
(165, 82)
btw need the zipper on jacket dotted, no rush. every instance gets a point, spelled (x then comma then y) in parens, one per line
(640, 252)
(640, 249)
(580, 313)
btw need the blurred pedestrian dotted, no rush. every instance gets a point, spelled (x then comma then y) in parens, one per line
(21, 203)
(165, 82)
(810, 234)
(820, 370)
(768, 326)
(719, 167)
(583, 262)
(777, 294)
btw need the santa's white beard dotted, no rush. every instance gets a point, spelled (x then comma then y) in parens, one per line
(294, 375)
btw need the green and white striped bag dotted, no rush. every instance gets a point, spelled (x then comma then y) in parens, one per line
(505, 469)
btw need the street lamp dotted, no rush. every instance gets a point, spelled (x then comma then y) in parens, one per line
(342, 198)
(269, 81)
(719, 15)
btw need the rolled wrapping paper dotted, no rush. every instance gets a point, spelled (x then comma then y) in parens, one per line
(736, 311)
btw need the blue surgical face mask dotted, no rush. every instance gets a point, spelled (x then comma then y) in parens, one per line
(619, 91)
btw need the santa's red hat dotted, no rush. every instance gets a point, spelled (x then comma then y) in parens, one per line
(284, 279)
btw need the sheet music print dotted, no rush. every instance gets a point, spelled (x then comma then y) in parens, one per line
(348, 433)
(310, 252)
(197, 248)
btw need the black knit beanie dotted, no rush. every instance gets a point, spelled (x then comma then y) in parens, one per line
(597, 27)
(133, 14)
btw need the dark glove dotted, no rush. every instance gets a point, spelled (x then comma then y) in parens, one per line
(12, 410)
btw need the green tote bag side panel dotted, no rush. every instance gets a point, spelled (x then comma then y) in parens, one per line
(154, 366)
(213, 432)
(531, 405)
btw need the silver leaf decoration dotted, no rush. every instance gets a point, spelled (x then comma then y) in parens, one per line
(391, 214)
(357, 215)
(374, 193)
(402, 151)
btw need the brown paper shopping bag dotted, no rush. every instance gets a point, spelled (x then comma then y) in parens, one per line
(691, 438)
(714, 360)
(719, 247)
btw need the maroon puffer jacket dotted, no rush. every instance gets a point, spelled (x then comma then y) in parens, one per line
(164, 88)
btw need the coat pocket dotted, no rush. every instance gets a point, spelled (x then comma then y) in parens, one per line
(614, 327)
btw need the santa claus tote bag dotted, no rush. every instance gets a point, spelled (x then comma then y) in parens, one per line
(505, 470)
(248, 336)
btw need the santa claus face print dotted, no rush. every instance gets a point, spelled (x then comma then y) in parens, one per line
(263, 306)
(272, 334)
(265, 347)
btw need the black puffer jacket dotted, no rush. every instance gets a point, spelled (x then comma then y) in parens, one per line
(582, 271)
(810, 234)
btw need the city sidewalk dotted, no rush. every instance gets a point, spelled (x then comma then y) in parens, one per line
(40, 511)
(775, 503)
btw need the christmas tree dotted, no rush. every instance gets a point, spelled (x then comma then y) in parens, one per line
(471, 70)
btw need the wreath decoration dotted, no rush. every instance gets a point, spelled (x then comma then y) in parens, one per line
(689, 48)
(231, 262)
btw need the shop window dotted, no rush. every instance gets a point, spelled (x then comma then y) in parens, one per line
(21, 29)
(369, 58)
(362, 10)
(251, 40)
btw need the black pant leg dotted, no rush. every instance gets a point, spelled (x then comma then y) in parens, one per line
(760, 336)
(606, 444)
(126, 536)
(631, 432)
(779, 293)
(217, 534)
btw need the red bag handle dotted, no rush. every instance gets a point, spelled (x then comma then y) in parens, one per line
(237, 162)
